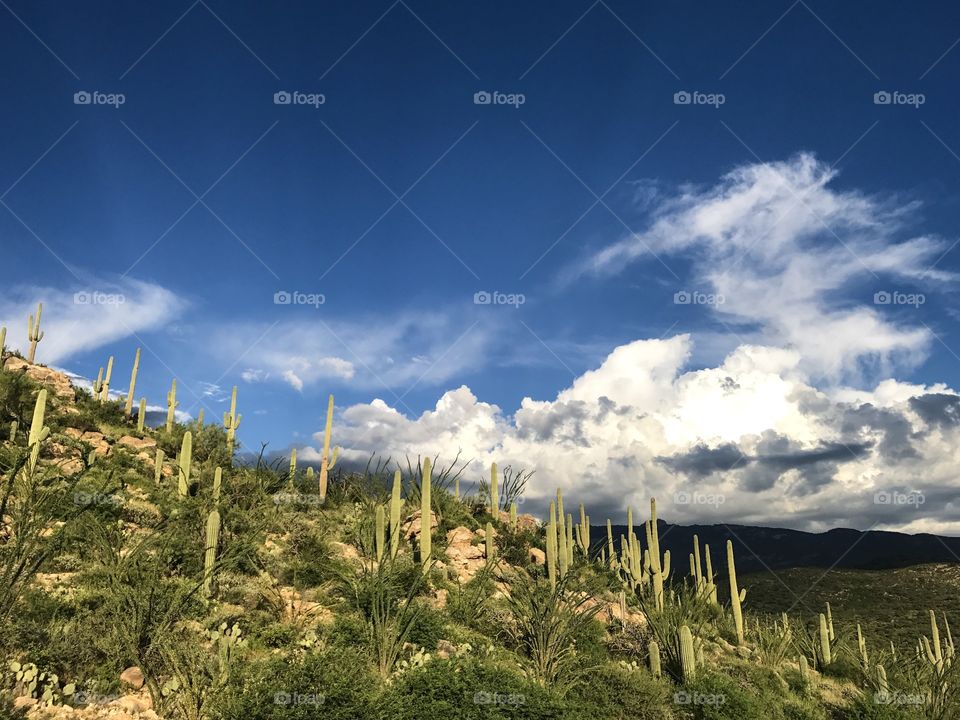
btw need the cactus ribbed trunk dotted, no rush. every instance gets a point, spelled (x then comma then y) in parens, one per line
(395, 508)
(426, 526)
(184, 464)
(231, 422)
(654, 651)
(171, 405)
(494, 492)
(688, 657)
(380, 537)
(128, 407)
(825, 652)
(142, 415)
(551, 542)
(210, 551)
(734, 593)
(325, 457)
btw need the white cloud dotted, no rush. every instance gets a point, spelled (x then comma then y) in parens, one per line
(84, 318)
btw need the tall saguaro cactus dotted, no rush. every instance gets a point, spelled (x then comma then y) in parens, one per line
(34, 334)
(184, 466)
(735, 595)
(825, 653)
(494, 491)
(552, 546)
(128, 407)
(396, 505)
(38, 431)
(231, 421)
(210, 551)
(659, 569)
(3, 342)
(105, 390)
(142, 414)
(325, 464)
(171, 405)
(293, 466)
(380, 535)
(688, 656)
(426, 526)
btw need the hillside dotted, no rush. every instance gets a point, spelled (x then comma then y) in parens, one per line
(145, 574)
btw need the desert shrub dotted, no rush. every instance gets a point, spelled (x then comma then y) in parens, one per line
(468, 602)
(428, 627)
(613, 692)
(468, 689)
(334, 684)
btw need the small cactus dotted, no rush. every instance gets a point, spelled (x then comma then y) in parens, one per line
(653, 648)
(200, 419)
(736, 597)
(688, 657)
(380, 537)
(158, 466)
(804, 670)
(494, 491)
(141, 414)
(825, 652)
(292, 473)
(210, 551)
(396, 506)
(513, 516)
(14, 425)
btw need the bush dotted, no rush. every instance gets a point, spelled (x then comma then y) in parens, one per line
(336, 684)
(467, 690)
(613, 692)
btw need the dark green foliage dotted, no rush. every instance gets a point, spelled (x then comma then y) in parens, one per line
(613, 692)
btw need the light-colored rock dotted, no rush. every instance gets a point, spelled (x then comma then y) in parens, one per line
(459, 535)
(527, 522)
(133, 677)
(139, 444)
(445, 649)
(411, 527)
(538, 556)
(24, 701)
(347, 552)
(56, 381)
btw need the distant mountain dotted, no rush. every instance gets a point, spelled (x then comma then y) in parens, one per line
(760, 548)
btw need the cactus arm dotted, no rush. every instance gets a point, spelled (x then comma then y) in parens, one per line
(142, 414)
(128, 408)
(551, 542)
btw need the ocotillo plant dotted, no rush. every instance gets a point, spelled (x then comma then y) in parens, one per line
(396, 506)
(128, 407)
(184, 464)
(210, 551)
(142, 415)
(494, 492)
(171, 404)
(34, 334)
(38, 431)
(231, 421)
(105, 391)
(736, 597)
(426, 526)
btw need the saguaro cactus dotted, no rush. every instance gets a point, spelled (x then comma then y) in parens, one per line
(490, 547)
(3, 342)
(184, 464)
(380, 535)
(564, 561)
(293, 465)
(583, 533)
(825, 653)
(141, 414)
(494, 491)
(14, 426)
(659, 570)
(862, 647)
(736, 597)
(217, 483)
(200, 419)
(38, 431)
(325, 463)
(171, 404)
(210, 551)
(804, 670)
(551, 542)
(513, 516)
(231, 421)
(158, 466)
(688, 656)
(426, 526)
(105, 390)
(653, 649)
(128, 407)
(34, 334)
(396, 505)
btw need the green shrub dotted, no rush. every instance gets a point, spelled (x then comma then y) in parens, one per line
(613, 692)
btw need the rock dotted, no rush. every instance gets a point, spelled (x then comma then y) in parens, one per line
(411, 528)
(133, 704)
(439, 598)
(23, 701)
(133, 677)
(459, 535)
(347, 552)
(482, 533)
(139, 445)
(538, 556)
(99, 443)
(527, 522)
(56, 381)
(445, 649)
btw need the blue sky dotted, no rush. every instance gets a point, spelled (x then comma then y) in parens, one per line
(399, 197)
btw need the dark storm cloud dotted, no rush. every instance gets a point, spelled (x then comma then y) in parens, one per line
(896, 443)
(701, 460)
(937, 409)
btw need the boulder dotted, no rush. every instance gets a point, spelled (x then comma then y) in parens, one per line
(133, 677)
(538, 556)
(54, 380)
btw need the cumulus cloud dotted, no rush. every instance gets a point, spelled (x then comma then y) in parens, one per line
(86, 317)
